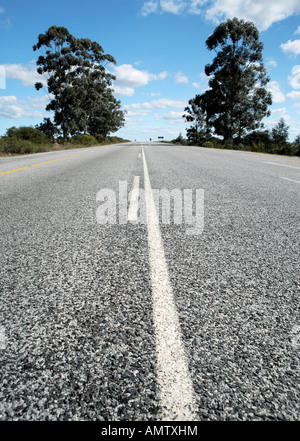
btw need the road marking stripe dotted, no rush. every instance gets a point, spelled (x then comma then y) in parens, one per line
(282, 165)
(36, 165)
(260, 155)
(293, 180)
(134, 200)
(16, 169)
(177, 396)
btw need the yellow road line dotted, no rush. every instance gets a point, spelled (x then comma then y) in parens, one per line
(36, 165)
(276, 159)
(10, 171)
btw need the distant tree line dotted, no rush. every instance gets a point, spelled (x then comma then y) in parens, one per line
(263, 141)
(229, 114)
(23, 140)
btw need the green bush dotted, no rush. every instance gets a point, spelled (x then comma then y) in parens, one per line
(87, 140)
(100, 138)
(294, 149)
(114, 139)
(209, 144)
(258, 146)
(16, 146)
(179, 140)
(287, 149)
(35, 136)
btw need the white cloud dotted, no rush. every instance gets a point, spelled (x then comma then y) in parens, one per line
(295, 96)
(272, 63)
(13, 108)
(180, 78)
(173, 6)
(149, 8)
(173, 117)
(294, 78)
(40, 102)
(297, 30)
(128, 78)
(135, 113)
(262, 12)
(160, 76)
(194, 7)
(161, 103)
(277, 95)
(291, 46)
(166, 102)
(2, 78)
(4, 23)
(127, 75)
(26, 74)
(281, 111)
(123, 91)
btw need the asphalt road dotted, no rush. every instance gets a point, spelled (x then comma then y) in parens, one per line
(88, 311)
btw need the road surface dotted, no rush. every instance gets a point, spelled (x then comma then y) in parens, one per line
(138, 320)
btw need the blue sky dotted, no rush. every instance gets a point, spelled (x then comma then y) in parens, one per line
(160, 50)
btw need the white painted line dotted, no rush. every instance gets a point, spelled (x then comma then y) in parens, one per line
(177, 396)
(139, 155)
(134, 200)
(2, 337)
(282, 165)
(293, 180)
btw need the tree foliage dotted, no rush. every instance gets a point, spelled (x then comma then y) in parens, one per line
(196, 113)
(279, 135)
(237, 99)
(78, 78)
(280, 132)
(48, 128)
(296, 146)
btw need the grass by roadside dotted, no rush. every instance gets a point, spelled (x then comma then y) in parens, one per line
(15, 146)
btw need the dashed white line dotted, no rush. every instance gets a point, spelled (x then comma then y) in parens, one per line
(177, 397)
(2, 337)
(283, 165)
(293, 180)
(134, 200)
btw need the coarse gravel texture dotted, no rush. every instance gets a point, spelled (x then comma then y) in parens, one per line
(236, 285)
(76, 301)
(76, 304)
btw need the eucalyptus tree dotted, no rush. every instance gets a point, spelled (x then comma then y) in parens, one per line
(196, 113)
(237, 99)
(280, 135)
(280, 132)
(79, 81)
(48, 128)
